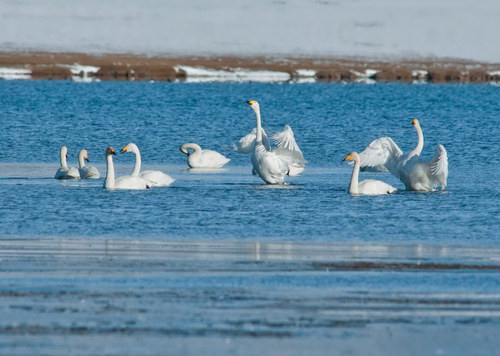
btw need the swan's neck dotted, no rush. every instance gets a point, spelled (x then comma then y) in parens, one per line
(420, 143)
(137, 166)
(354, 185)
(62, 158)
(110, 172)
(81, 160)
(193, 146)
(258, 138)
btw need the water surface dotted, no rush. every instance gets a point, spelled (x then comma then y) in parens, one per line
(220, 263)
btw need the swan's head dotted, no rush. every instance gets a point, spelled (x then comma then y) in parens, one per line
(131, 147)
(415, 123)
(184, 150)
(254, 104)
(353, 156)
(84, 155)
(110, 151)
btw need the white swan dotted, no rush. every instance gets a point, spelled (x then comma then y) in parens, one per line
(157, 178)
(65, 172)
(203, 158)
(367, 186)
(86, 171)
(124, 182)
(286, 147)
(384, 155)
(267, 164)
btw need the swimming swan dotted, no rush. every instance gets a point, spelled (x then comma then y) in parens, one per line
(286, 148)
(157, 178)
(86, 171)
(65, 172)
(124, 182)
(203, 158)
(271, 166)
(367, 186)
(383, 154)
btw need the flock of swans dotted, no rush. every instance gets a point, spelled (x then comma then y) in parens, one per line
(273, 164)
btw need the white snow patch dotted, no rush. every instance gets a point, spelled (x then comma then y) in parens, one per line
(419, 73)
(202, 74)
(76, 69)
(496, 72)
(365, 77)
(14, 73)
(419, 76)
(306, 72)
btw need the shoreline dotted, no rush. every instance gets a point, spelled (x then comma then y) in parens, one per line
(132, 67)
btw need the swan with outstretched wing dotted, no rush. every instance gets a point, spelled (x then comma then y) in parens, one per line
(285, 145)
(383, 154)
(268, 165)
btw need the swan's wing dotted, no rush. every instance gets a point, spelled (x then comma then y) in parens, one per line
(287, 148)
(379, 154)
(246, 144)
(438, 167)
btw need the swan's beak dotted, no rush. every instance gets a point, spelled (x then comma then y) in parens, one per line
(348, 158)
(414, 122)
(250, 102)
(87, 159)
(124, 149)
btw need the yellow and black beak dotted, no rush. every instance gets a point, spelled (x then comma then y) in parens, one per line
(124, 149)
(414, 122)
(250, 102)
(348, 158)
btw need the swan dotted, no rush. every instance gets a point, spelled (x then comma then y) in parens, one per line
(156, 178)
(65, 172)
(268, 165)
(367, 186)
(203, 158)
(383, 154)
(286, 148)
(86, 171)
(124, 182)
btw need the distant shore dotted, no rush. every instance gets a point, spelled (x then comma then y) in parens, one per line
(129, 67)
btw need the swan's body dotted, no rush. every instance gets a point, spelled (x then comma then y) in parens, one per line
(65, 172)
(272, 164)
(384, 155)
(124, 182)
(200, 158)
(86, 171)
(156, 178)
(367, 186)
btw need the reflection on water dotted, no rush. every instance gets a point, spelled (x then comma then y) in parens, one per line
(223, 293)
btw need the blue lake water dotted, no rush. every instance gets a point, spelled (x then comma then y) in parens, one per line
(329, 121)
(222, 260)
